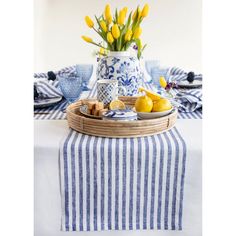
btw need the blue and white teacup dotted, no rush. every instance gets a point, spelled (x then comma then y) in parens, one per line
(108, 90)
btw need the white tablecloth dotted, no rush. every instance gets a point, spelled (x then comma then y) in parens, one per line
(48, 134)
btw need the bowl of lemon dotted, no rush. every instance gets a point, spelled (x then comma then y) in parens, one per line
(151, 105)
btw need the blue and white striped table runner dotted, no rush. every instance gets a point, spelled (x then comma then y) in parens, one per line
(122, 184)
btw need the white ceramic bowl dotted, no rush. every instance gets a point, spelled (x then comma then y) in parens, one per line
(153, 115)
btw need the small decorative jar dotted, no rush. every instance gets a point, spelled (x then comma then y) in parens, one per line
(121, 115)
(122, 67)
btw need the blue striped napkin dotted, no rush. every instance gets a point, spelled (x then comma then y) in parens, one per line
(122, 184)
(190, 100)
(65, 70)
(47, 88)
(177, 74)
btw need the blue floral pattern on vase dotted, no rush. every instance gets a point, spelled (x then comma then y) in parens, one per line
(124, 68)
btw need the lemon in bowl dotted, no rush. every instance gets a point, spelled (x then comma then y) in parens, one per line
(143, 104)
(160, 108)
(161, 105)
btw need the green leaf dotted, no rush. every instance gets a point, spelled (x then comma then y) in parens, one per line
(144, 47)
(101, 33)
(116, 16)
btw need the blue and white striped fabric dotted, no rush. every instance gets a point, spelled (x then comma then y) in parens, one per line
(56, 112)
(122, 184)
(190, 100)
(65, 70)
(177, 74)
(48, 88)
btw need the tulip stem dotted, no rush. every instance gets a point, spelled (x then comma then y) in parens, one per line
(99, 45)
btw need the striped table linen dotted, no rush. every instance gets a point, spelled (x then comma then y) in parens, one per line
(65, 70)
(190, 100)
(122, 184)
(177, 74)
(50, 88)
(56, 114)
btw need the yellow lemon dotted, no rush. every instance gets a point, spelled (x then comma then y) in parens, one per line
(143, 104)
(162, 104)
(116, 104)
(151, 94)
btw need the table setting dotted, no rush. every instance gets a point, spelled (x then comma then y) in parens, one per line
(118, 143)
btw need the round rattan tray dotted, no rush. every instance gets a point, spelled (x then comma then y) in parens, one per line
(118, 129)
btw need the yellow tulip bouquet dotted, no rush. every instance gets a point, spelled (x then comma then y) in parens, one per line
(118, 32)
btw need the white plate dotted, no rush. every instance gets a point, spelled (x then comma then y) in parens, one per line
(153, 115)
(186, 84)
(46, 102)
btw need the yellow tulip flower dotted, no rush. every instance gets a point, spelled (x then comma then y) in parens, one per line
(89, 22)
(102, 51)
(110, 38)
(135, 13)
(125, 9)
(137, 33)
(107, 13)
(103, 25)
(145, 10)
(87, 39)
(115, 31)
(121, 17)
(128, 35)
(109, 20)
(162, 81)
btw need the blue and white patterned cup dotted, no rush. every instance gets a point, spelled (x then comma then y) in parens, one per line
(107, 90)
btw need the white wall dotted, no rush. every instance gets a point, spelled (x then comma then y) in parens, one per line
(172, 32)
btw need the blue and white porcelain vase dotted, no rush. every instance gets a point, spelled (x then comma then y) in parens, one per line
(124, 68)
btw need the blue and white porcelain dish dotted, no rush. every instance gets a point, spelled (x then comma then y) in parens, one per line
(121, 115)
(122, 67)
(46, 102)
(186, 84)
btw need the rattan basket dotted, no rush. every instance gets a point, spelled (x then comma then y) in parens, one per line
(118, 129)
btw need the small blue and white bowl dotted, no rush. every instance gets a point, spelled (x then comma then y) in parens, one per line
(121, 115)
